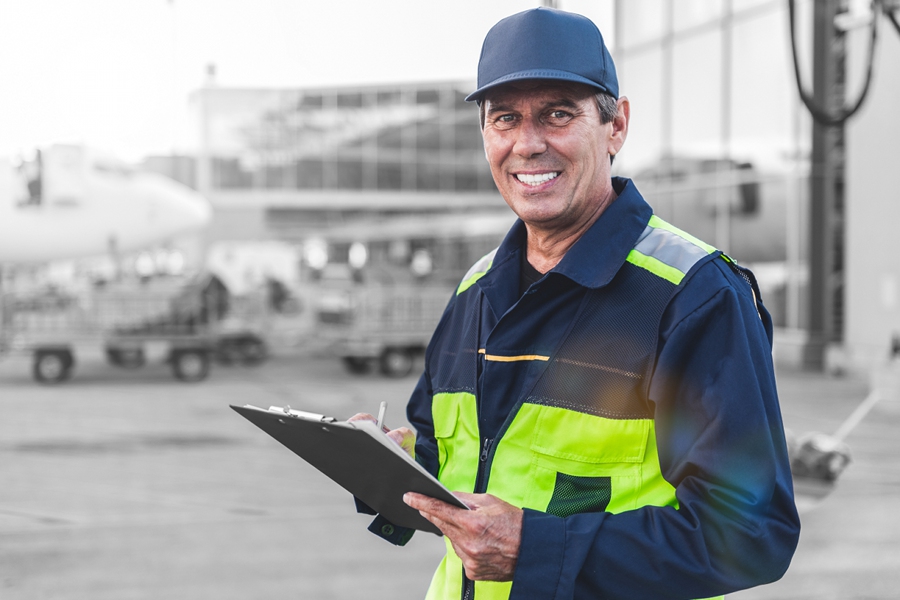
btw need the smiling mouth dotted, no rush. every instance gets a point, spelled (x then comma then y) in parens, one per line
(529, 179)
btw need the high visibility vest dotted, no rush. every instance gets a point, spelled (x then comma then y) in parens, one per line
(582, 439)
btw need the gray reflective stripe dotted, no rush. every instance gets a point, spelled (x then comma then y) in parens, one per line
(477, 271)
(667, 252)
(669, 248)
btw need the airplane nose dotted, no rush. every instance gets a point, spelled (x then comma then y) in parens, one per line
(186, 210)
(198, 207)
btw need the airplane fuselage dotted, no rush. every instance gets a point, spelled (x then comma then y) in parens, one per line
(83, 209)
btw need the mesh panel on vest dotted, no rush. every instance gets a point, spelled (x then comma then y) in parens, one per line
(455, 368)
(573, 495)
(601, 367)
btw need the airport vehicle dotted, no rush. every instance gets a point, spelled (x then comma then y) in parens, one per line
(385, 325)
(380, 287)
(187, 322)
(70, 203)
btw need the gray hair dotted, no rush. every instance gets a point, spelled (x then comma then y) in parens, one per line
(606, 104)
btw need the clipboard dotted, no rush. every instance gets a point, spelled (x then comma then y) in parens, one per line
(359, 457)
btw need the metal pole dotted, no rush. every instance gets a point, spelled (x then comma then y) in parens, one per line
(723, 190)
(826, 189)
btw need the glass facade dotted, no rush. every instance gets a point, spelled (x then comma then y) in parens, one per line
(718, 143)
(692, 13)
(421, 137)
(640, 21)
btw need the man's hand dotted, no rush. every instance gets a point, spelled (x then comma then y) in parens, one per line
(403, 436)
(486, 538)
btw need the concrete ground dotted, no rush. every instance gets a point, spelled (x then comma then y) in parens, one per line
(850, 540)
(122, 485)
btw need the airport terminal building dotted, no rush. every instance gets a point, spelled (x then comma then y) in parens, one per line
(720, 144)
(286, 163)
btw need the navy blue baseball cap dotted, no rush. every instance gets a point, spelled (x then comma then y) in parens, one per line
(545, 43)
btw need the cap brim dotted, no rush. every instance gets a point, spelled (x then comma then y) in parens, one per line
(542, 74)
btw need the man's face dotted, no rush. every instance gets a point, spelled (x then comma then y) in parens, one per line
(549, 153)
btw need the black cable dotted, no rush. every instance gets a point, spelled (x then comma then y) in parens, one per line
(818, 113)
(889, 13)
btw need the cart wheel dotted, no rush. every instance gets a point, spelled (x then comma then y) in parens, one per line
(132, 359)
(190, 365)
(396, 362)
(357, 365)
(227, 352)
(52, 366)
(127, 358)
(252, 350)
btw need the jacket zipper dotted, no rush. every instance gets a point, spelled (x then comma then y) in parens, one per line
(468, 588)
(480, 486)
(486, 444)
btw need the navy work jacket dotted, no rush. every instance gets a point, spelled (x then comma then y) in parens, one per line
(719, 431)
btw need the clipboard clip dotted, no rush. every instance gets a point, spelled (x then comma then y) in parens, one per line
(300, 414)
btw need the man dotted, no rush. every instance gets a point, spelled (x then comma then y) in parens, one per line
(600, 390)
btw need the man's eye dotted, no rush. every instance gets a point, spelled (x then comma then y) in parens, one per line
(505, 121)
(558, 117)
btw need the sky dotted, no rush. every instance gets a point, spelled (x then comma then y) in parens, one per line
(116, 75)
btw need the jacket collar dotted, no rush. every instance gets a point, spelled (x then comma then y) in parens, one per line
(591, 262)
(597, 256)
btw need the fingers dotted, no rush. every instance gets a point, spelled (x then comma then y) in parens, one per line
(486, 538)
(402, 436)
(432, 506)
(362, 417)
(436, 511)
(405, 438)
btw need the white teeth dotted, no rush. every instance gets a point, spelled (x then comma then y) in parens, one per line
(536, 179)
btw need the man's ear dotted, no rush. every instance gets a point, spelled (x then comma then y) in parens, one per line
(620, 125)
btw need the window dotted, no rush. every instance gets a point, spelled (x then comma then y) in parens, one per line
(641, 79)
(697, 95)
(688, 13)
(641, 21)
(762, 90)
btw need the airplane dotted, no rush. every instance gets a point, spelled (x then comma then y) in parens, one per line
(71, 203)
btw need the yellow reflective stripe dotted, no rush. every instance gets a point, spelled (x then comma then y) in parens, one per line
(660, 224)
(477, 271)
(655, 266)
(520, 357)
(469, 282)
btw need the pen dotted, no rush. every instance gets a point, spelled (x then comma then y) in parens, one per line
(381, 410)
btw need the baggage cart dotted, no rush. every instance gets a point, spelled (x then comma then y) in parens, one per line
(188, 322)
(384, 326)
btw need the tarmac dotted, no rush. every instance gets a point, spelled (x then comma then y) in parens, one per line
(122, 484)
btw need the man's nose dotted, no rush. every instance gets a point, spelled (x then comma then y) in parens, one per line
(530, 139)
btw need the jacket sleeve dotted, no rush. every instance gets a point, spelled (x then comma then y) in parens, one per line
(418, 413)
(721, 445)
(418, 410)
